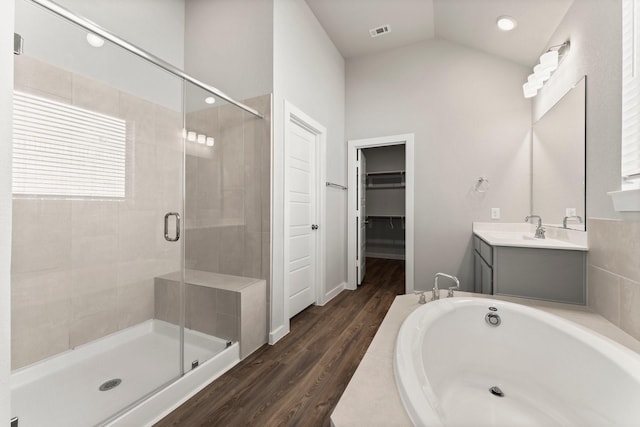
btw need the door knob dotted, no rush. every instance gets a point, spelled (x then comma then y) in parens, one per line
(314, 226)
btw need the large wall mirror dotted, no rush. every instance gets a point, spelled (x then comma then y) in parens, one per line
(558, 162)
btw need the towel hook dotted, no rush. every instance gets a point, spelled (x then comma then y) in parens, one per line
(482, 185)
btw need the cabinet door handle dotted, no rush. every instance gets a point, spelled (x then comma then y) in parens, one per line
(166, 227)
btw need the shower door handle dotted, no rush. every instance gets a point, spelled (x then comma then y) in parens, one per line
(166, 227)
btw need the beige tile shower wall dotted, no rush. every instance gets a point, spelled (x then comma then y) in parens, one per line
(613, 288)
(82, 269)
(228, 191)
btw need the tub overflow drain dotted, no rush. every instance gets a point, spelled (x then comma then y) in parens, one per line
(108, 385)
(495, 390)
(493, 319)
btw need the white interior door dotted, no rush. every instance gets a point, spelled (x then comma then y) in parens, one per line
(301, 188)
(362, 215)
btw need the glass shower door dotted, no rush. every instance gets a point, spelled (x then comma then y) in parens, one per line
(97, 287)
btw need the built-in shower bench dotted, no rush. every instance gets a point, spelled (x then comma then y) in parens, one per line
(229, 307)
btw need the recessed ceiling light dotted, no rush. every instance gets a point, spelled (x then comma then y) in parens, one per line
(210, 100)
(94, 40)
(506, 23)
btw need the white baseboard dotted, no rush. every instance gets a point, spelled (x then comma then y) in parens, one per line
(277, 335)
(333, 293)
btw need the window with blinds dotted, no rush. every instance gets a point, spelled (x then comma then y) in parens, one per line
(630, 95)
(60, 150)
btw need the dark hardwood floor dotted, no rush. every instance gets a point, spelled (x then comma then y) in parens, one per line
(298, 381)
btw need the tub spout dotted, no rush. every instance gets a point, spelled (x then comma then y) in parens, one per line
(436, 292)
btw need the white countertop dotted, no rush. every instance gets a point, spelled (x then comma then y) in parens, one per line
(371, 399)
(212, 280)
(522, 235)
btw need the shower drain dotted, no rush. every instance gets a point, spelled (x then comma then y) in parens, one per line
(108, 385)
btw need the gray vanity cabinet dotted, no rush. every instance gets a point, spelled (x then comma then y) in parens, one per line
(539, 273)
(483, 271)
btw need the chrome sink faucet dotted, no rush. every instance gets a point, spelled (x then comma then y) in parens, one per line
(436, 291)
(566, 218)
(539, 229)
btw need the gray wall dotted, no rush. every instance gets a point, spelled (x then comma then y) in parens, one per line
(63, 45)
(470, 120)
(613, 276)
(229, 44)
(140, 23)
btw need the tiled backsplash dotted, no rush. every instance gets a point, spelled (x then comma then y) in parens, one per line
(613, 288)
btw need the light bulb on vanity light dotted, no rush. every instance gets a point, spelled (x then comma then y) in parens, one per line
(541, 73)
(191, 136)
(534, 81)
(529, 91)
(549, 61)
(210, 141)
(202, 139)
(210, 100)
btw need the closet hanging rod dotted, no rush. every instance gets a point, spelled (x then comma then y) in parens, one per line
(386, 216)
(334, 185)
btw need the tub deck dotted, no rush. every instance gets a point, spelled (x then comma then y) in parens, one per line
(372, 398)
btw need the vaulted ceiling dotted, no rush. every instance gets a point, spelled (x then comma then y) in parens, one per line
(468, 22)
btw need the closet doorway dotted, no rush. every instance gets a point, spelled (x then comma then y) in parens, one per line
(380, 204)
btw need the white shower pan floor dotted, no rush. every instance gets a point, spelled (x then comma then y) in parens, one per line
(64, 390)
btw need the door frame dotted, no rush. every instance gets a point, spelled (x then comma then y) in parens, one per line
(353, 146)
(293, 115)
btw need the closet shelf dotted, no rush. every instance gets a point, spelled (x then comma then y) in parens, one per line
(391, 172)
(384, 186)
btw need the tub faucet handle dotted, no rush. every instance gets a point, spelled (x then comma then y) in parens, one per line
(423, 298)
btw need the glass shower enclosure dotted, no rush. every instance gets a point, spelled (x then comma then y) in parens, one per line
(118, 164)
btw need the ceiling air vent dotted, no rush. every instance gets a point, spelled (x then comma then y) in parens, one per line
(375, 32)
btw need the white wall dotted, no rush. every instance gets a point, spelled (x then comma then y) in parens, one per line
(229, 44)
(6, 90)
(308, 71)
(470, 119)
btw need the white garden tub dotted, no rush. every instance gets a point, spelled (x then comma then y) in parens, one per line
(550, 371)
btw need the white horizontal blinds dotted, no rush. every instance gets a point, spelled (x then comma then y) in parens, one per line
(62, 150)
(630, 94)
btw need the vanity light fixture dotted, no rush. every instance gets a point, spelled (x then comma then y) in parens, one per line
(94, 40)
(199, 138)
(549, 62)
(506, 23)
(210, 100)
